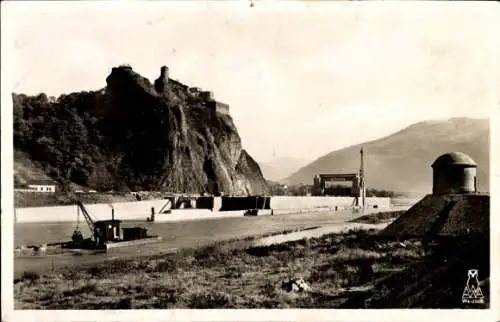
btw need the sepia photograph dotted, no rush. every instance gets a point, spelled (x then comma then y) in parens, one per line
(164, 155)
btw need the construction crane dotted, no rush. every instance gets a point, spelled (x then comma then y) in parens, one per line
(106, 233)
(77, 235)
(86, 215)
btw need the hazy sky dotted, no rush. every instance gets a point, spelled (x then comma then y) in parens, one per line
(302, 79)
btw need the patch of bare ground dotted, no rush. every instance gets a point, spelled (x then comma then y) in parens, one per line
(379, 217)
(350, 269)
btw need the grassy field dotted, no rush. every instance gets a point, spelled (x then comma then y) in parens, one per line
(349, 270)
(210, 277)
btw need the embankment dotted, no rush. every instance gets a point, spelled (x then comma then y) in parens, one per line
(289, 202)
(142, 209)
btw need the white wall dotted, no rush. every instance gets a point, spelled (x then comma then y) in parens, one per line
(290, 202)
(123, 211)
(140, 210)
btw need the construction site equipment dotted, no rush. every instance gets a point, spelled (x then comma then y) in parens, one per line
(255, 211)
(176, 202)
(95, 240)
(104, 232)
(152, 218)
(357, 189)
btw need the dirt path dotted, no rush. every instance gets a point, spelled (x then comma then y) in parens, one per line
(313, 233)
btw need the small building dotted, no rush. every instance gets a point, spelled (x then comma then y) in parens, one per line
(178, 84)
(194, 91)
(218, 106)
(85, 191)
(108, 229)
(207, 95)
(454, 173)
(45, 186)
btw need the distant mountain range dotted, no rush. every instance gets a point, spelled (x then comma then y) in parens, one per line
(279, 168)
(402, 161)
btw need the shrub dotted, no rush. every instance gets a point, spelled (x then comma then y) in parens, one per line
(30, 276)
(210, 300)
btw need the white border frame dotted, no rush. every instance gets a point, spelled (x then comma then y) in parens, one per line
(8, 314)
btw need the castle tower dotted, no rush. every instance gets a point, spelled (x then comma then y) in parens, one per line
(164, 73)
(161, 82)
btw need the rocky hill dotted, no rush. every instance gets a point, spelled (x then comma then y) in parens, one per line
(132, 135)
(401, 161)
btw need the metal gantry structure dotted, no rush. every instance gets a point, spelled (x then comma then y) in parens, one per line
(357, 189)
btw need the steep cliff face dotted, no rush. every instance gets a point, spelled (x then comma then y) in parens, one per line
(129, 136)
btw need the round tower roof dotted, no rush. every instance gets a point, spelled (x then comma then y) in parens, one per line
(454, 158)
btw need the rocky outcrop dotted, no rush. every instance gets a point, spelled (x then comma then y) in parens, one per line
(134, 138)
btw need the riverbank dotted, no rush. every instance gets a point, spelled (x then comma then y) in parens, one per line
(353, 269)
(168, 209)
(175, 235)
(24, 199)
(211, 277)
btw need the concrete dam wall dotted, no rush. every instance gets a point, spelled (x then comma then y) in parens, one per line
(123, 211)
(290, 202)
(202, 207)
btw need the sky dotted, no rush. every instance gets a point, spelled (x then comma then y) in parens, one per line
(302, 78)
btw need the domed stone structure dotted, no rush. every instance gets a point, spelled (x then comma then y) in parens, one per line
(454, 173)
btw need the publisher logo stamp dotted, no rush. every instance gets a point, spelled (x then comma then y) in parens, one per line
(472, 292)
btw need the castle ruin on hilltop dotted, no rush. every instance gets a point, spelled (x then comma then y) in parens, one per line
(163, 82)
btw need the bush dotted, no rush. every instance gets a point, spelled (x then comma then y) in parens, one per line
(124, 304)
(210, 301)
(30, 276)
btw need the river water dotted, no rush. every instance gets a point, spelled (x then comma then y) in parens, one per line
(175, 235)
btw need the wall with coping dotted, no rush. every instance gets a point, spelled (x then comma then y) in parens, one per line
(123, 211)
(140, 210)
(290, 202)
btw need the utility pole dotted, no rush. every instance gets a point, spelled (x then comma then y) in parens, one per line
(362, 179)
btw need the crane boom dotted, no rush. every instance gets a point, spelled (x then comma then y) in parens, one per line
(87, 217)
